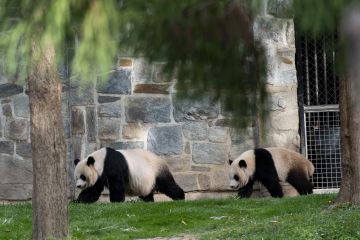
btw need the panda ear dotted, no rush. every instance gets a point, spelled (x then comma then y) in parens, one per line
(76, 161)
(90, 161)
(242, 164)
(230, 161)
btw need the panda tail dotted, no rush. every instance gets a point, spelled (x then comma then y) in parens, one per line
(311, 169)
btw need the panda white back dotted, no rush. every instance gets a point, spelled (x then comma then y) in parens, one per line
(285, 160)
(144, 166)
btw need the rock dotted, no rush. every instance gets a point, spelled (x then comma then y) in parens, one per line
(91, 124)
(7, 147)
(83, 96)
(119, 82)
(187, 149)
(125, 62)
(196, 131)
(9, 89)
(158, 75)
(165, 140)
(209, 153)
(17, 129)
(112, 109)
(200, 169)
(24, 150)
(281, 8)
(284, 121)
(187, 181)
(152, 88)
(77, 121)
(240, 136)
(15, 191)
(141, 70)
(218, 135)
(147, 109)
(109, 128)
(220, 180)
(133, 131)
(178, 163)
(236, 150)
(76, 147)
(21, 106)
(108, 99)
(126, 145)
(190, 110)
(204, 182)
(7, 111)
(14, 170)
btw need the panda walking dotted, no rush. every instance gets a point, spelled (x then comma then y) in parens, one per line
(134, 172)
(271, 166)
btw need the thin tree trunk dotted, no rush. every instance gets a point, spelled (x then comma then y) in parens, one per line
(345, 189)
(351, 35)
(49, 200)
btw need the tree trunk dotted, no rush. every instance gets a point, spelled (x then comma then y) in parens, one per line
(49, 199)
(351, 36)
(345, 189)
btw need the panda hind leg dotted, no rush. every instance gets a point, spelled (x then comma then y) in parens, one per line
(274, 188)
(300, 182)
(148, 198)
(116, 189)
(165, 183)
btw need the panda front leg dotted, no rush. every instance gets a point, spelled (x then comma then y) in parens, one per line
(116, 187)
(148, 198)
(247, 190)
(91, 194)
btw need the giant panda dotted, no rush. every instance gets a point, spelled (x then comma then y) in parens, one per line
(271, 167)
(134, 172)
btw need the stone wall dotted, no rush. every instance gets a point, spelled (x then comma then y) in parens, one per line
(275, 28)
(136, 108)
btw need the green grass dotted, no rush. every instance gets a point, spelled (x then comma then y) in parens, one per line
(308, 217)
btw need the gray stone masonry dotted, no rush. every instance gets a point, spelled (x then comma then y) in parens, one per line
(135, 107)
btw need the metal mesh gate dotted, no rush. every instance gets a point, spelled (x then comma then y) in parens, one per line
(323, 146)
(319, 110)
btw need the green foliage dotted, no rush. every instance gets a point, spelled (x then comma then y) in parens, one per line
(320, 15)
(92, 25)
(207, 46)
(308, 217)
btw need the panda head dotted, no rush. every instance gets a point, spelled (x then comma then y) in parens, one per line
(88, 170)
(242, 169)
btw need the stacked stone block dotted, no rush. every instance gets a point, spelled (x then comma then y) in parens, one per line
(15, 147)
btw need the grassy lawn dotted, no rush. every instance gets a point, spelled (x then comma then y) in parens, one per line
(309, 217)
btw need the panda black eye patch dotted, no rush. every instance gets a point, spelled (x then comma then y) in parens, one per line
(82, 177)
(236, 177)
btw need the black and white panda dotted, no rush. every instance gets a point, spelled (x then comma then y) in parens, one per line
(271, 167)
(134, 172)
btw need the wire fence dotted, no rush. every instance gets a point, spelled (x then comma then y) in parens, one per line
(318, 100)
(323, 147)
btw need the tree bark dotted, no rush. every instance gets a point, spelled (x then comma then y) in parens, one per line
(49, 199)
(351, 36)
(345, 189)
